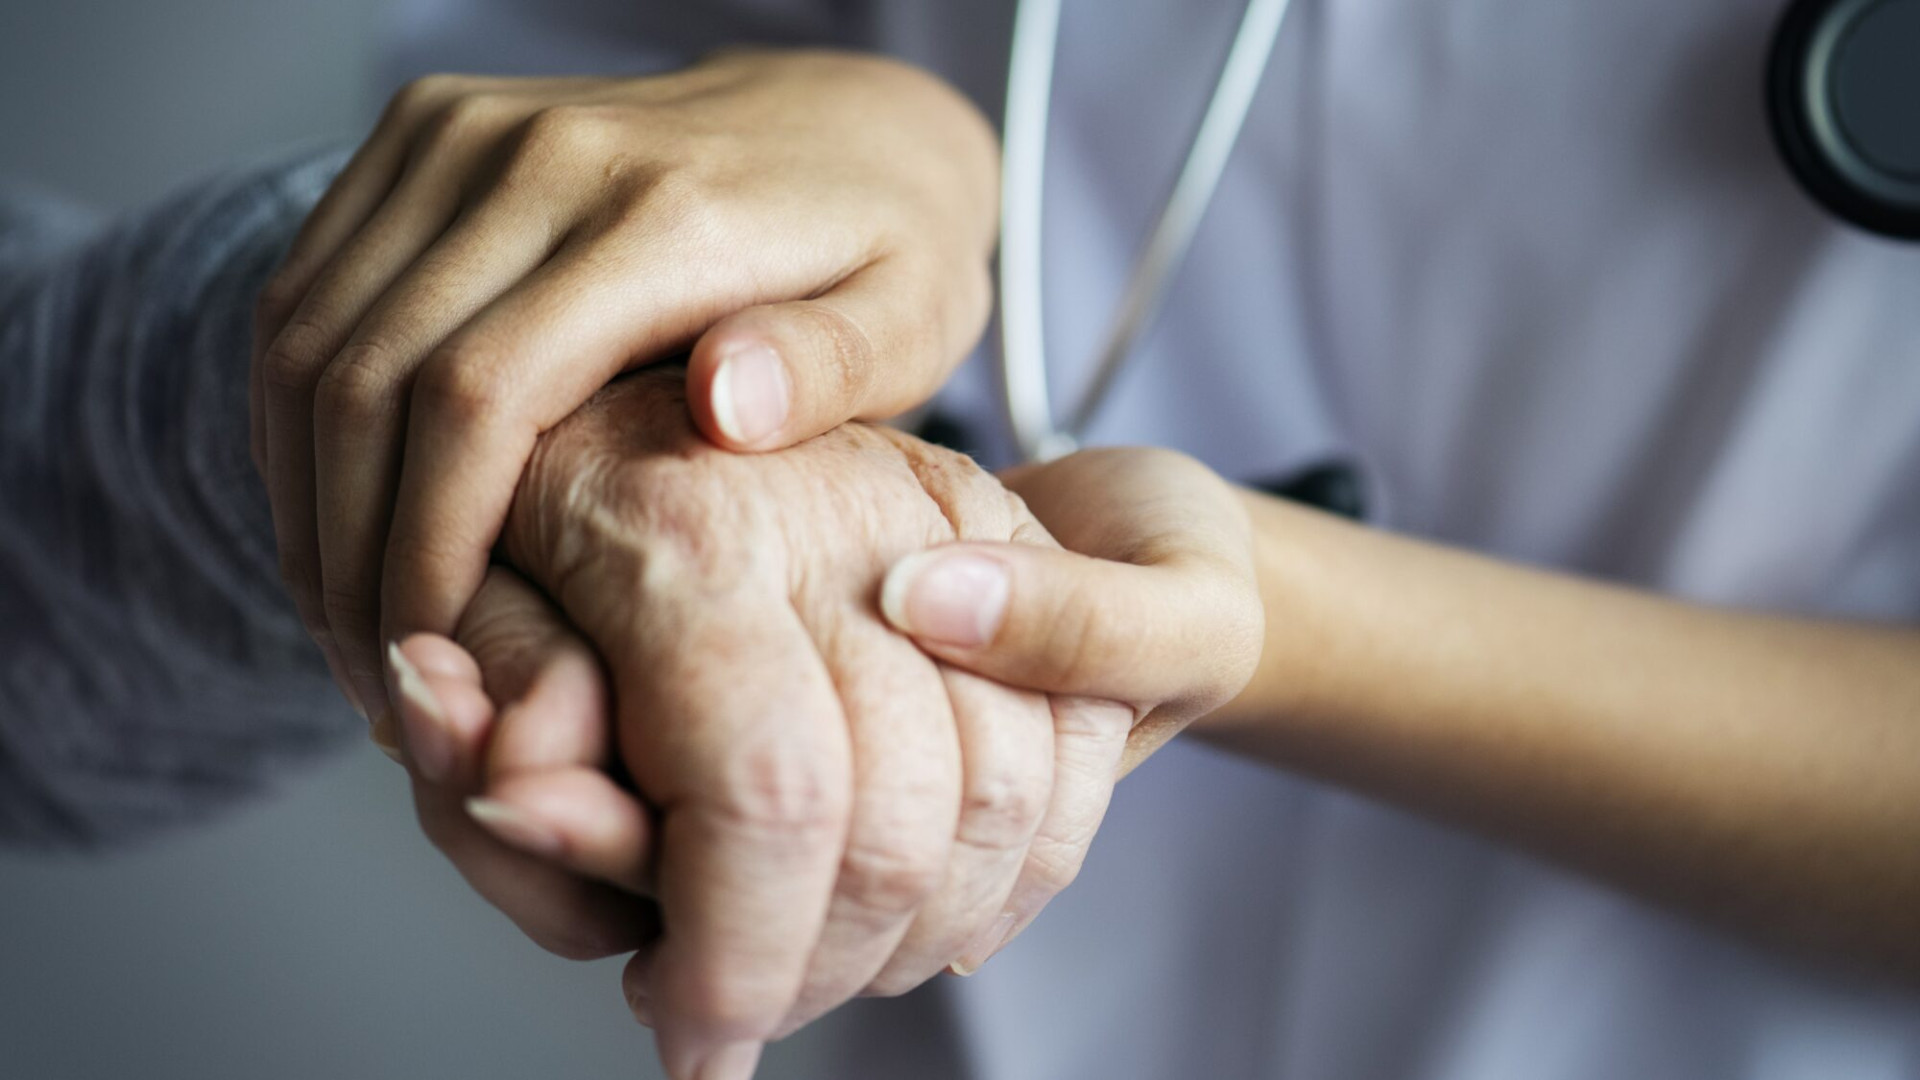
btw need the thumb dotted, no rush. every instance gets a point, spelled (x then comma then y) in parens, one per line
(870, 348)
(1176, 632)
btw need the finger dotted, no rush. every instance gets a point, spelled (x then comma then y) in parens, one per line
(1053, 619)
(359, 189)
(359, 413)
(563, 721)
(747, 759)
(871, 348)
(564, 913)
(440, 694)
(545, 793)
(445, 713)
(479, 403)
(600, 305)
(1089, 737)
(577, 819)
(1006, 747)
(514, 649)
(907, 783)
(363, 184)
(399, 231)
(1175, 623)
(736, 1062)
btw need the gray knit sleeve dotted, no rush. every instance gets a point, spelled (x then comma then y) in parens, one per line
(151, 668)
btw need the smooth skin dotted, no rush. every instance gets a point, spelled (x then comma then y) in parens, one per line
(1756, 771)
(499, 249)
(822, 810)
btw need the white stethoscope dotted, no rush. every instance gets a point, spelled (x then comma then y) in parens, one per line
(1840, 89)
(1023, 354)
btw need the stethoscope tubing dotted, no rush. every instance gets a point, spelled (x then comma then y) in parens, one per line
(1803, 102)
(1023, 356)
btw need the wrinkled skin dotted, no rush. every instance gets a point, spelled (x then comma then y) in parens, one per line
(832, 811)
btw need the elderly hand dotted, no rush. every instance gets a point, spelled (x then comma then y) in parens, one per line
(836, 811)
(1160, 607)
(815, 226)
(519, 704)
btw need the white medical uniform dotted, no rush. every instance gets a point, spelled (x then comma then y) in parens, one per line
(1536, 267)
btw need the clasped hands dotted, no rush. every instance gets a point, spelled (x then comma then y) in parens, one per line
(865, 711)
(790, 706)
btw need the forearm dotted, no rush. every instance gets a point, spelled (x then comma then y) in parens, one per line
(1760, 771)
(150, 666)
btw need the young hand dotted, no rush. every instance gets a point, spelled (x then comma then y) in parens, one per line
(814, 226)
(1149, 599)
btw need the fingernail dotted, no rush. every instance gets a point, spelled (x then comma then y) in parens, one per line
(751, 394)
(514, 827)
(953, 598)
(384, 738)
(734, 1061)
(982, 948)
(423, 718)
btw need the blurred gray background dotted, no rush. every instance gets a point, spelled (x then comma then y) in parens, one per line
(314, 934)
(115, 101)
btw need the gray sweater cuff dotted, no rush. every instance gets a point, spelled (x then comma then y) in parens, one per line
(151, 668)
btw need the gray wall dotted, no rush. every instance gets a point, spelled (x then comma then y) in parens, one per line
(114, 101)
(316, 935)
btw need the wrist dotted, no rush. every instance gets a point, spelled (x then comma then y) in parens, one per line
(1286, 682)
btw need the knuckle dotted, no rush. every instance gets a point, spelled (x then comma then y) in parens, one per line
(1084, 727)
(471, 113)
(682, 527)
(973, 502)
(1054, 862)
(1001, 809)
(461, 119)
(565, 132)
(684, 203)
(734, 1006)
(889, 878)
(294, 359)
(463, 387)
(772, 789)
(503, 635)
(424, 93)
(358, 382)
(349, 608)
